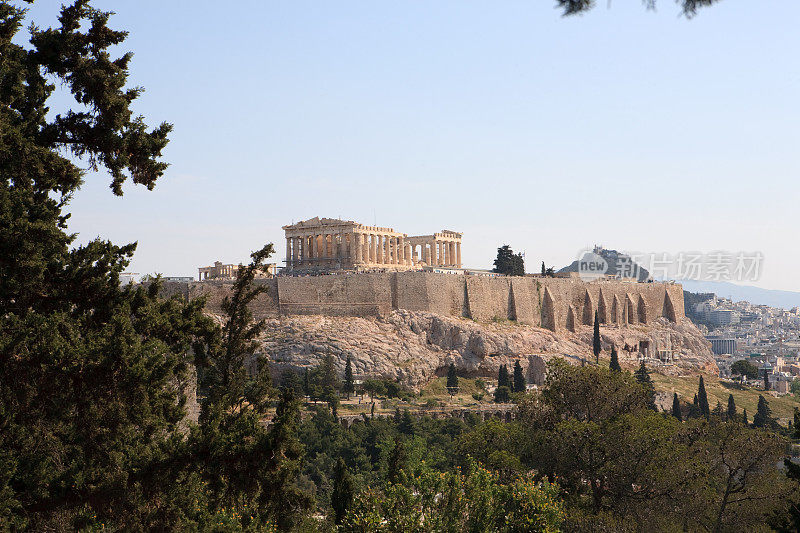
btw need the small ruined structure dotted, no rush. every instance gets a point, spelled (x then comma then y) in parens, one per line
(221, 272)
(326, 244)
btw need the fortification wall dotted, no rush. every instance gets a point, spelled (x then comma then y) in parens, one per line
(264, 306)
(552, 303)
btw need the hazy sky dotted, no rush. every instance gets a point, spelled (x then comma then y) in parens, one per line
(639, 130)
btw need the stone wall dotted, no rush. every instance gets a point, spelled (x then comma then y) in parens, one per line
(553, 303)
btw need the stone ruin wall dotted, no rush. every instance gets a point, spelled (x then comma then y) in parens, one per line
(554, 303)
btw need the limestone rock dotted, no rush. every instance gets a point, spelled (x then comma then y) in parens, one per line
(416, 346)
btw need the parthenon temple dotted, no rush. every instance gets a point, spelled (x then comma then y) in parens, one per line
(323, 244)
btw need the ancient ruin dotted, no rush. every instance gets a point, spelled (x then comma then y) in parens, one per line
(325, 244)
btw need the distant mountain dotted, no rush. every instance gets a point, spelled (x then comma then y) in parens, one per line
(618, 263)
(748, 293)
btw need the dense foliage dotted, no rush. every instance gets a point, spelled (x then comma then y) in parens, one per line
(509, 263)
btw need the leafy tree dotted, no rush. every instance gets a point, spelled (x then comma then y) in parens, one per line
(676, 407)
(472, 499)
(688, 7)
(452, 380)
(596, 344)
(374, 387)
(349, 387)
(502, 394)
(614, 365)
(502, 377)
(763, 417)
(509, 263)
(343, 491)
(731, 413)
(520, 383)
(643, 377)
(702, 399)
(743, 367)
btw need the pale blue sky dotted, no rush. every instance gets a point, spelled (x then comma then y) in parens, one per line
(635, 129)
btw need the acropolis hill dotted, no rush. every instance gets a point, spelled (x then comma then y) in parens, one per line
(400, 306)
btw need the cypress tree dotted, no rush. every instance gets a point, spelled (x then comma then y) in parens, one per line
(694, 410)
(744, 417)
(343, 491)
(349, 386)
(766, 382)
(643, 377)
(614, 364)
(676, 407)
(596, 345)
(502, 377)
(718, 411)
(544, 270)
(796, 426)
(763, 417)
(731, 408)
(397, 461)
(452, 380)
(702, 399)
(519, 378)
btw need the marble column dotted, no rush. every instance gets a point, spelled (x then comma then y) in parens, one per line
(357, 253)
(288, 253)
(458, 255)
(402, 255)
(428, 249)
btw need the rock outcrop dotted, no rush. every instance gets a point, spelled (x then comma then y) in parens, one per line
(416, 346)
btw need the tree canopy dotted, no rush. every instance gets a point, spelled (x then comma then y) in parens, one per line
(688, 7)
(509, 263)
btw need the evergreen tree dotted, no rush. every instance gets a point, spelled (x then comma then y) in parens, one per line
(291, 379)
(676, 407)
(702, 399)
(763, 416)
(643, 377)
(614, 365)
(306, 382)
(766, 381)
(544, 270)
(731, 414)
(225, 375)
(502, 394)
(343, 491)
(502, 377)
(719, 412)
(349, 387)
(694, 410)
(92, 375)
(452, 380)
(596, 344)
(509, 263)
(744, 417)
(397, 461)
(796, 425)
(520, 383)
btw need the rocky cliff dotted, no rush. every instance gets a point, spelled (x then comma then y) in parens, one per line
(416, 346)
